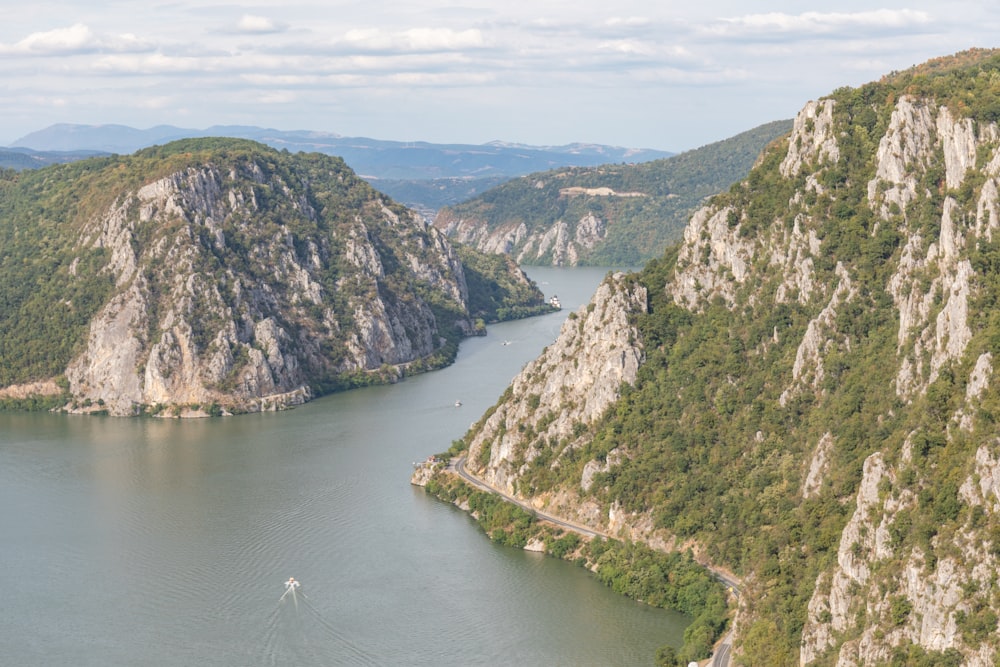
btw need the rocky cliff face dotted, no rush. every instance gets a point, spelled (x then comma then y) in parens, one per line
(250, 280)
(931, 287)
(187, 329)
(848, 288)
(562, 244)
(556, 398)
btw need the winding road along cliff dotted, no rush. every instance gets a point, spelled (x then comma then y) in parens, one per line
(457, 466)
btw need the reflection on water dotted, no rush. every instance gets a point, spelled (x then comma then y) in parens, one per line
(165, 542)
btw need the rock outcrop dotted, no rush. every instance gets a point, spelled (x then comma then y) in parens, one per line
(558, 396)
(562, 244)
(245, 279)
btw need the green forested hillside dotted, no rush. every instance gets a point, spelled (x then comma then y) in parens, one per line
(494, 294)
(240, 234)
(721, 460)
(818, 408)
(51, 285)
(657, 198)
(23, 158)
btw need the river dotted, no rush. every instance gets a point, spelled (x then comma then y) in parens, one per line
(166, 542)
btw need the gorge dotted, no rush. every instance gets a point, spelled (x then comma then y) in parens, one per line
(802, 390)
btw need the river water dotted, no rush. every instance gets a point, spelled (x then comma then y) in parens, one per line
(166, 542)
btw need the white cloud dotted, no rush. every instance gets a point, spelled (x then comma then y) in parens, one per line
(277, 97)
(631, 47)
(443, 39)
(442, 79)
(820, 23)
(154, 63)
(258, 25)
(76, 39)
(155, 103)
(414, 39)
(629, 22)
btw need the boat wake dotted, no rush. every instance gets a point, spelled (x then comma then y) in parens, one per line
(297, 633)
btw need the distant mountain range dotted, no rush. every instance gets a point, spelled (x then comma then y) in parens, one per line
(369, 158)
(422, 175)
(27, 158)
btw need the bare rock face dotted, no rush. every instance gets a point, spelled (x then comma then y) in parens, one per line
(107, 372)
(922, 601)
(818, 466)
(937, 269)
(714, 259)
(562, 244)
(569, 386)
(812, 139)
(236, 292)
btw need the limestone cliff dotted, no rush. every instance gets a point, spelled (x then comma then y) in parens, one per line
(815, 401)
(557, 397)
(562, 244)
(245, 279)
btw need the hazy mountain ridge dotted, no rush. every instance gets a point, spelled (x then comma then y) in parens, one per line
(612, 214)
(420, 174)
(816, 400)
(214, 275)
(25, 158)
(366, 156)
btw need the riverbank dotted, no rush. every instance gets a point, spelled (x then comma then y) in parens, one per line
(671, 580)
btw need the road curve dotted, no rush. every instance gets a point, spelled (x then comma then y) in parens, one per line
(720, 658)
(458, 466)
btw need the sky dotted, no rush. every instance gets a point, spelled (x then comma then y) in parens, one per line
(636, 73)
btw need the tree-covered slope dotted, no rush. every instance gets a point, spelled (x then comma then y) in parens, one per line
(817, 405)
(223, 273)
(613, 214)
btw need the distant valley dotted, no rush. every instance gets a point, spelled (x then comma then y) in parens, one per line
(543, 205)
(608, 215)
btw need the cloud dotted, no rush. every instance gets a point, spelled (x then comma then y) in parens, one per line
(413, 40)
(443, 39)
(666, 54)
(258, 25)
(76, 39)
(154, 63)
(628, 47)
(820, 23)
(277, 97)
(155, 103)
(629, 21)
